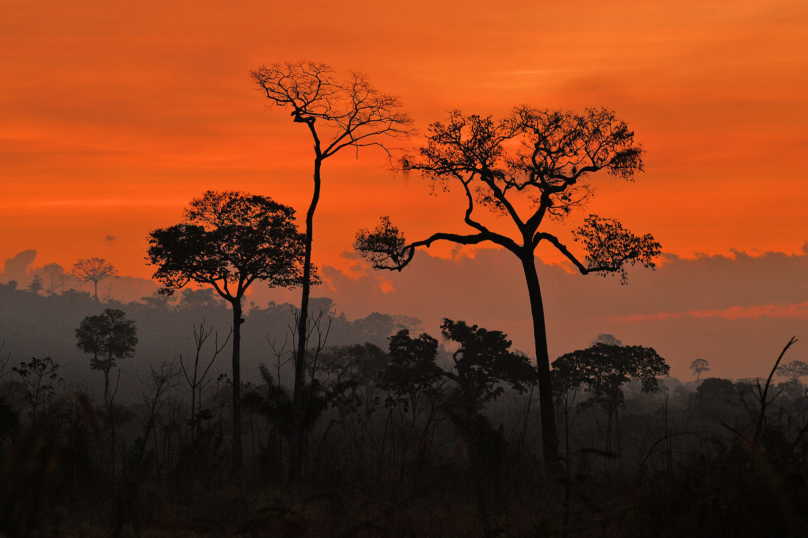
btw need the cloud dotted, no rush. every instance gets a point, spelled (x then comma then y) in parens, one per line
(736, 311)
(791, 311)
(16, 267)
(109, 239)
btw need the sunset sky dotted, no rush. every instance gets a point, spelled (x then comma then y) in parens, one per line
(116, 114)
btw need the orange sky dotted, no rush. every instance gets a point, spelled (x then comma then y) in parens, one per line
(113, 116)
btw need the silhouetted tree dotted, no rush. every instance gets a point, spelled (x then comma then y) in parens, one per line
(196, 377)
(715, 392)
(57, 276)
(36, 285)
(483, 362)
(160, 381)
(94, 270)
(532, 166)
(40, 378)
(108, 337)
(699, 366)
(412, 371)
(347, 367)
(793, 370)
(566, 388)
(603, 369)
(339, 115)
(229, 240)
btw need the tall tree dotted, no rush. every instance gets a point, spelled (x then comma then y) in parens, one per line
(94, 270)
(699, 366)
(793, 370)
(58, 277)
(228, 241)
(531, 167)
(40, 378)
(603, 369)
(108, 337)
(339, 114)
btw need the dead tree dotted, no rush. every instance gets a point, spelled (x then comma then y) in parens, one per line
(338, 114)
(161, 380)
(196, 377)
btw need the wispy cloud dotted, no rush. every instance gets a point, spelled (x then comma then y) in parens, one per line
(94, 203)
(790, 311)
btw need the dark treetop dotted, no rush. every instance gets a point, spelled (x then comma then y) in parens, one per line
(532, 165)
(229, 240)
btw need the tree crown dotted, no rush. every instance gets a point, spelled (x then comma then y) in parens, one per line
(793, 370)
(603, 369)
(229, 240)
(109, 337)
(412, 368)
(699, 366)
(93, 270)
(484, 360)
(532, 165)
(353, 111)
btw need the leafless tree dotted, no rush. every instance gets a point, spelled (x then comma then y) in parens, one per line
(282, 355)
(94, 270)
(339, 114)
(57, 276)
(160, 381)
(196, 377)
(40, 378)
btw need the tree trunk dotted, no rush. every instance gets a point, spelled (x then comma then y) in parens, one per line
(618, 440)
(549, 434)
(194, 417)
(237, 321)
(295, 442)
(608, 460)
(567, 432)
(108, 402)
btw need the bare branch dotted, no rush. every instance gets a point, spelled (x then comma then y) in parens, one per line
(353, 111)
(386, 248)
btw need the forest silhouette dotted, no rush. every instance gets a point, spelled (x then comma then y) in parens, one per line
(323, 426)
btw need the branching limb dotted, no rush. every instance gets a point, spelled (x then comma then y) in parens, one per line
(385, 247)
(609, 247)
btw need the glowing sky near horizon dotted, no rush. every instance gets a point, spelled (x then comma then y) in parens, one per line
(114, 115)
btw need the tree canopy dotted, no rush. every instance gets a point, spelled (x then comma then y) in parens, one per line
(94, 270)
(546, 178)
(352, 111)
(482, 363)
(699, 366)
(339, 114)
(109, 337)
(793, 370)
(229, 240)
(603, 370)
